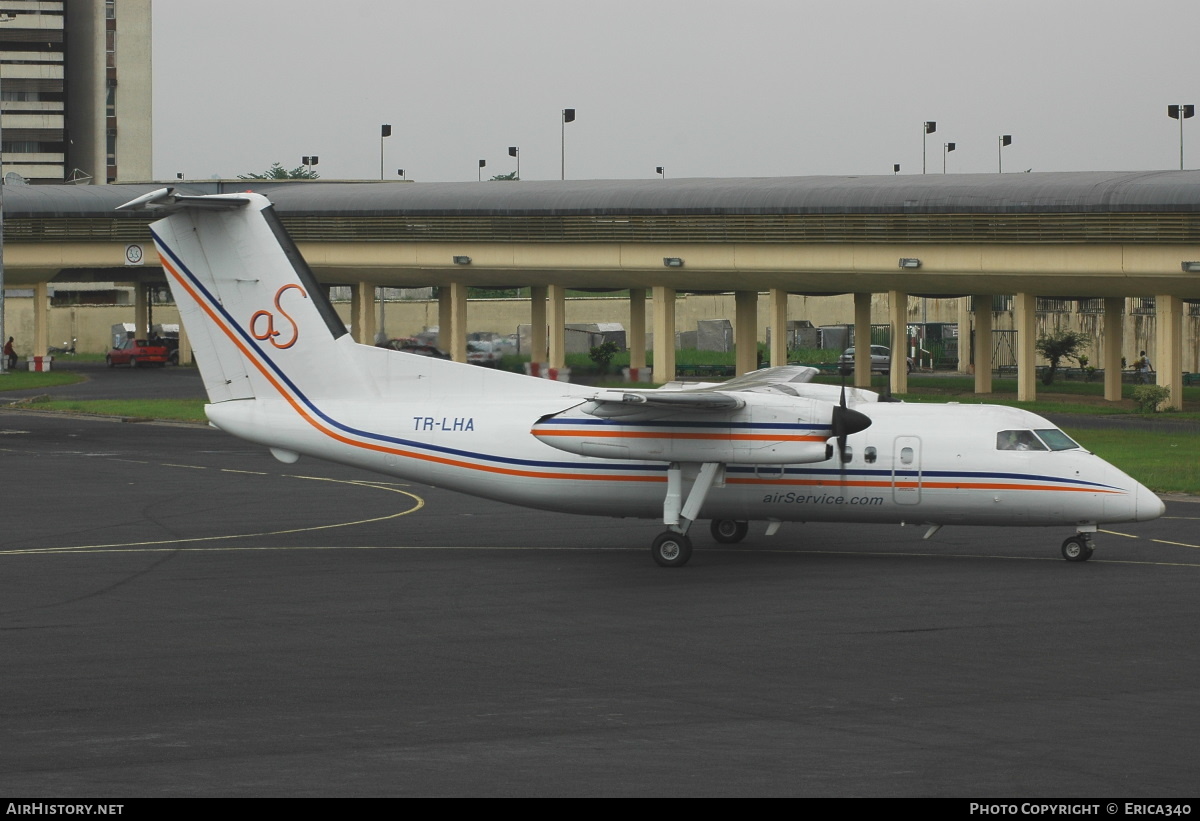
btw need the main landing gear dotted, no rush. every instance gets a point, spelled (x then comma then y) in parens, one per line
(673, 548)
(728, 531)
(1078, 548)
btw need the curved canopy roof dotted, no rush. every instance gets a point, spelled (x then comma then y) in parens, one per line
(1057, 192)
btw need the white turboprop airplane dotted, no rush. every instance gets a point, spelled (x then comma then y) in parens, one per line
(282, 371)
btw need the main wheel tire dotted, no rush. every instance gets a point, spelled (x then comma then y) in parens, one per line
(1077, 549)
(671, 549)
(728, 531)
(133, 361)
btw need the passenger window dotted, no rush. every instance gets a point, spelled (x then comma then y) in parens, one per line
(847, 453)
(869, 455)
(906, 456)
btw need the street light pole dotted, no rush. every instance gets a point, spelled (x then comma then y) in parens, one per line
(1005, 139)
(947, 148)
(930, 127)
(1181, 113)
(514, 151)
(568, 116)
(385, 130)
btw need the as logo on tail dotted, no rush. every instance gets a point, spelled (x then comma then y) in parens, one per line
(270, 333)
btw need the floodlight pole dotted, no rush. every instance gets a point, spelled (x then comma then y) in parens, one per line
(930, 127)
(1181, 113)
(568, 116)
(385, 130)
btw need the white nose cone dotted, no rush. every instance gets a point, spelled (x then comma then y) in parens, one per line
(1147, 504)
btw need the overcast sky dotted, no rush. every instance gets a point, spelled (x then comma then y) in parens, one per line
(704, 88)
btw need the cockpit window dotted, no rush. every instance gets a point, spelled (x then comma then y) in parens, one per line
(1018, 440)
(1057, 440)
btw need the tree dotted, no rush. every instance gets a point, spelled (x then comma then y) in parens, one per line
(1060, 345)
(278, 172)
(603, 354)
(512, 175)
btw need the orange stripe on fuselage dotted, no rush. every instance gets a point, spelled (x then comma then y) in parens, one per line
(633, 434)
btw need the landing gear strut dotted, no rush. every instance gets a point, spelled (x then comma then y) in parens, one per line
(674, 548)
(1078, 548)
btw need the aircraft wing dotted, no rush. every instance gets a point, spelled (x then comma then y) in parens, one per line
(760, 418)
(620, 403)
(716, 397)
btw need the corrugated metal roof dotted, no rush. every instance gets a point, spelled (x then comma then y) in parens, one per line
(1065, 192)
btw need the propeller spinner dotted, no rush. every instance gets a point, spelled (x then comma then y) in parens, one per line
(846, 421)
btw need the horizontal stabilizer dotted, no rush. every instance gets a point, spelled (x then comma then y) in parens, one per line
(165, 201)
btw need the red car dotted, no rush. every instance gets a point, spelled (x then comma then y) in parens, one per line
(135, 352)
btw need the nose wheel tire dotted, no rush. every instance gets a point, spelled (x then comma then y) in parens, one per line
(1077, 549)
(671, 549)
(728, 531)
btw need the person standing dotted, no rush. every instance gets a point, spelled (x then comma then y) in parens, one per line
(10, 354)
(1143, 369)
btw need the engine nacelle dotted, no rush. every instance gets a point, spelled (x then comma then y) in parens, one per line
(766, 430)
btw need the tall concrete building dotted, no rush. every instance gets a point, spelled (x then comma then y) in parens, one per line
(75, 90)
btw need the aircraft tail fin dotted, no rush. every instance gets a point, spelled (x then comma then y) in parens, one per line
(258, 321)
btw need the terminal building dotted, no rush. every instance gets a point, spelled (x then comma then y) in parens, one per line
(75, 90)
(1118, 242)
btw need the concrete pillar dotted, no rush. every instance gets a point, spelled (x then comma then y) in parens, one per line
(964, 335)
(556, 321)
(779, 336)
(445, 319)
(982, 350)
(862, 340)
(635, 335)
(362, 312)
(664, 334)
(1168, 347)
(141, 311)
(458, 321)
(745, 331)
(537, 327)
(898, 317)
(1114, 342)
(1024, 316)
(41, 319)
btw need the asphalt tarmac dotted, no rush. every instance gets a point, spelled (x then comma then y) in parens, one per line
(180, 615)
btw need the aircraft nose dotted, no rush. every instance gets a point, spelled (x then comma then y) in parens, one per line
(1147, 504)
